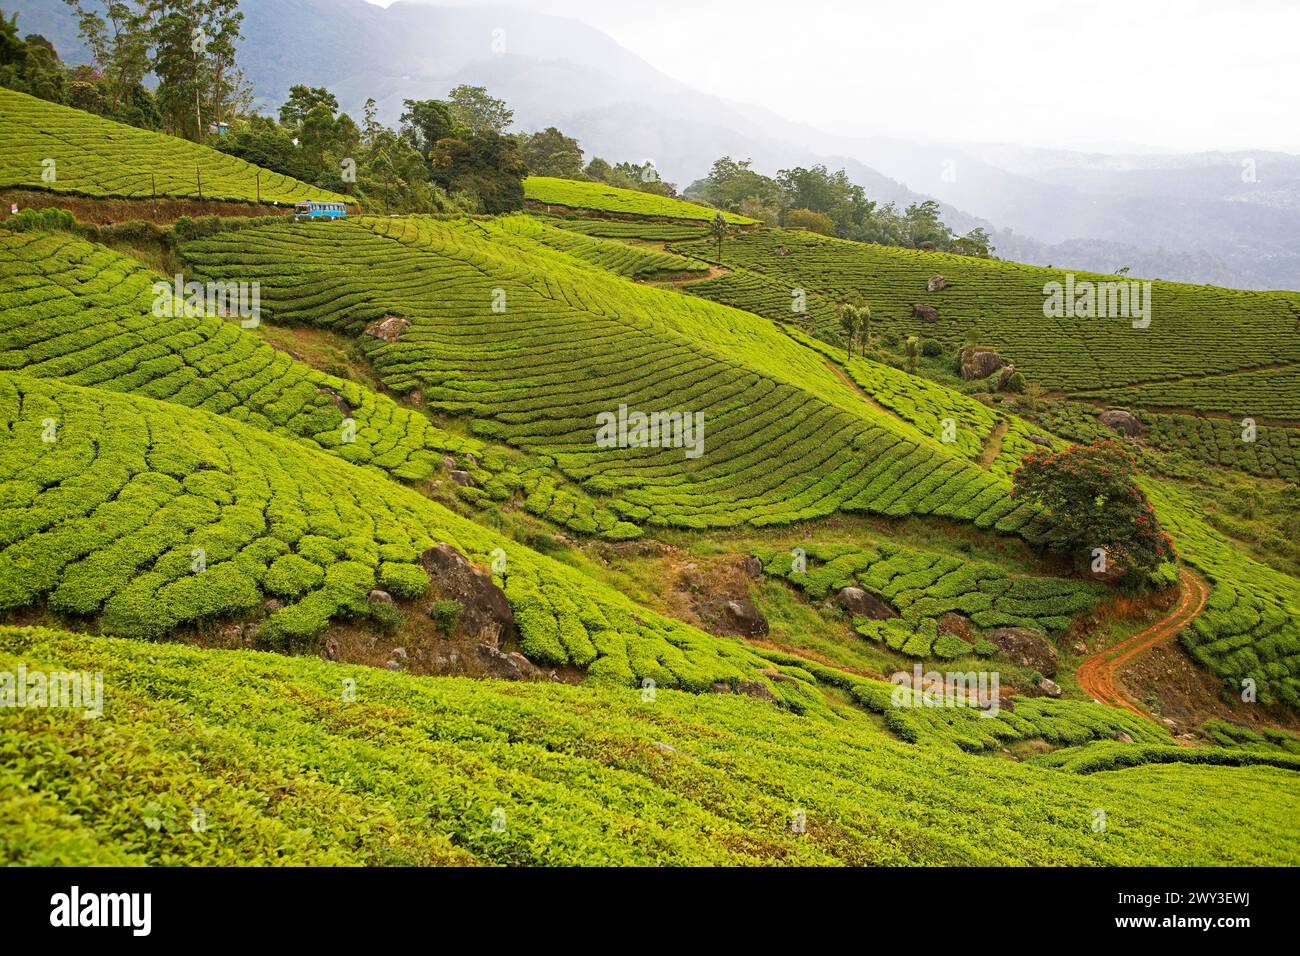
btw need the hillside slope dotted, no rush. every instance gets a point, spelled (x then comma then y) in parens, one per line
(535, 345)
(47, 146)
(414, 771)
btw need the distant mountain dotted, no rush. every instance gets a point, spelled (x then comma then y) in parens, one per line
(1194, 217)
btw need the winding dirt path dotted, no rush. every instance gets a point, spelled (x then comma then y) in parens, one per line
(1096, 675)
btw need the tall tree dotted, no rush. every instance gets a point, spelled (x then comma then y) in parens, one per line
(849, 317)
(718, 229)
(424, 122)
(551, 153)
(479, 111)
(117, 32)
(302, 100)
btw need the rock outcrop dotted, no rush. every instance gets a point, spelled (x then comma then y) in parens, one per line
(485, 613)
(1026, 647)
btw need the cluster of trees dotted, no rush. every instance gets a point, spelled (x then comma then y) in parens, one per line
(551, 153)
(451, 154)
(829, 203)
(188, 46)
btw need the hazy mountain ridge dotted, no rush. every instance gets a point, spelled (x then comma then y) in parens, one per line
(1193, 217)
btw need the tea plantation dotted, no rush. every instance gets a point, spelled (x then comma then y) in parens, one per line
(164, 474)
(1194, 330)
(144, 517)
(47, 146)
(536, 344)
(286, 769)
(599, 197)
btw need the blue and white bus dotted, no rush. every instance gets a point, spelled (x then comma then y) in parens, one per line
(319, 210)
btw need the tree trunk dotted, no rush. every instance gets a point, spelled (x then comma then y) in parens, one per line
(220, 66)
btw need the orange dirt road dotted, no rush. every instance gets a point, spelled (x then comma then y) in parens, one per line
(1096, 675)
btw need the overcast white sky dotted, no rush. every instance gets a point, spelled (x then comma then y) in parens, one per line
(1164, 74)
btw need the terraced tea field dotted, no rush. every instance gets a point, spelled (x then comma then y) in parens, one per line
(535, 345)
(47, 146)
(81, 313)
(643, 229)
(599, 197)
(616, 257)
(1002, 302)
(590, 775)
(144, 517)
(924, 586)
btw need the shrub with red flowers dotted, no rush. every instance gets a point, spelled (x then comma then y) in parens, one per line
(1094, 502)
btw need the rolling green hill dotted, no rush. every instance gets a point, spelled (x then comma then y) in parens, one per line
(599, 197)
(106, 497)
(416, 771)
(1002, 303)
(47, 146)
(535, 344)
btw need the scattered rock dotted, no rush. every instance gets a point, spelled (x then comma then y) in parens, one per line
(337, 400)
(957, 625)
(398, 654)
(1124, 422)
(485, 612)
(1168, 723)
(463, 478)
(389, 328)
(512, 666)
(1049, 687)
(774, 674)
(472, 459)
(1005, 375)
(755, 688)
(752, 566)
(860, 603)
(415, 397)
(287, 351)
(1009, 755)
(666, 748)
(742, 615)
(1080, 648)
(721, 687)
(379, 597)
(927, 312)
(980, 363)
(1041, 440)
(393, 665)
(1123, 738)
(331, 649)
(1026, 647)
(782, 251)
(936, 284)
(272, 604)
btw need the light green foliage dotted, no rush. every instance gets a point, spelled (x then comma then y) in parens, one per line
(601, 197)
(625, 228)
(1250, 628)
(616, 257)
(97, 157)
(104, 521)
(76, 311)
(1003, 303)
(923, 585)
(785, 438)
(410, 772)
